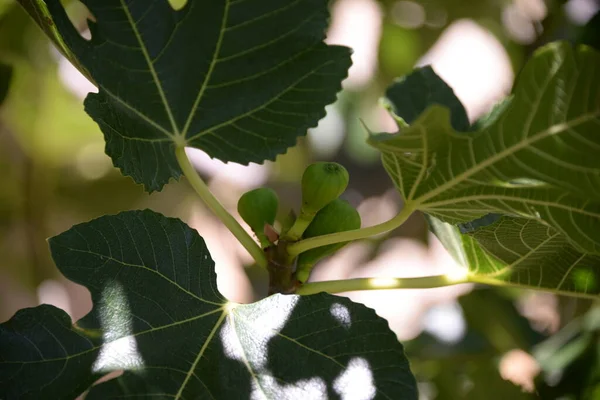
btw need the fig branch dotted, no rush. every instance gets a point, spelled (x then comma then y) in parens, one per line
(301, 246)
(217, 208)
(349, 285)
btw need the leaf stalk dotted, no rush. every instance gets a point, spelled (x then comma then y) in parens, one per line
(300, 225)
(294, 249)
(217, 208)
(349, 285)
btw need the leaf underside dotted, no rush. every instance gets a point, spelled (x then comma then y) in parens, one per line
(240, 80)
(524, 253)
(159, 317)
(533, 160)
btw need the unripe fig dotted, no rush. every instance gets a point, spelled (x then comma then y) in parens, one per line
(337, 216)
(257, 208)
(322, 182)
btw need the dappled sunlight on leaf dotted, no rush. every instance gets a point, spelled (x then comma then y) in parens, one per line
(312, 388)
(178, 4)
(341, 314)
(188, 341)
(120, 350)
(356, 382)
(254, 355)
(269, 317)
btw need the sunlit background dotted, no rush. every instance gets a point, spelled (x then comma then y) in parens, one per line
(463, 341)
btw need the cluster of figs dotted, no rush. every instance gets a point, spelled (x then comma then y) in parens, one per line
(322, 213)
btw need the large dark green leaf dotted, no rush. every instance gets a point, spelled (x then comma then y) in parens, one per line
(158, 316)
(240, 80)
(590, 34)
(409, 96)
(538, 159)
(534, 158)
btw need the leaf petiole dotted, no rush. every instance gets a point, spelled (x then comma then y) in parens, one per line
(217, 208)
(300, 225)
(349, 285)
(294, 249)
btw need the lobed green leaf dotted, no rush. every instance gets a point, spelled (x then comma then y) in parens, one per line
(533, 159)
(159, 317)
(409, 96)
(524, 253)
(240, 80)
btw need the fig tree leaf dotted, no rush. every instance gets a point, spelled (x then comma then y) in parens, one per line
(590, 33)
(38, 11)
(524, 253)
(537, 159)
(240, 80)
(159, 317)
(491, 117)
(409, 96)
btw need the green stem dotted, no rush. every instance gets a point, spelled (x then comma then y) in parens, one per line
(349, 285)
(217, 208)
(300, 225)
(347, 236)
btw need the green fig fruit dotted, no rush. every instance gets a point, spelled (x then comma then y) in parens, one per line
(337, 216)
(257, 208)
(322, 182)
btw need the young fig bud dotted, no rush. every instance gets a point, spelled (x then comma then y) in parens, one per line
(257, 208)
(337, 216)
(322, 182)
